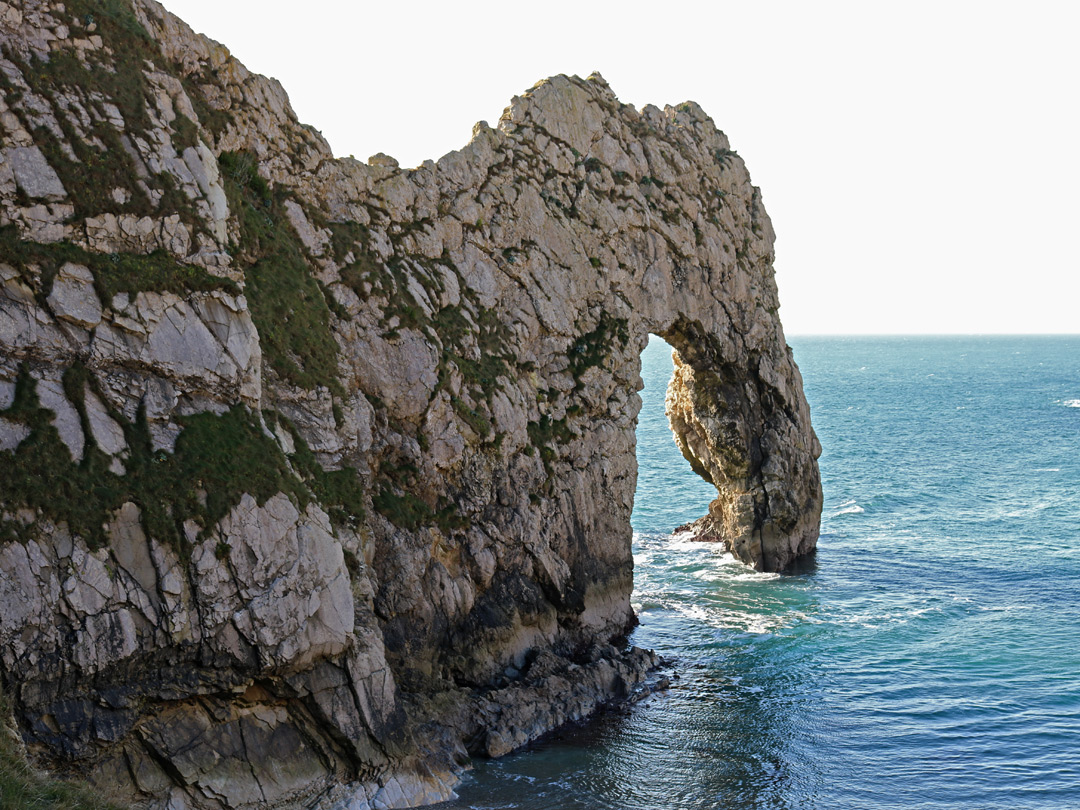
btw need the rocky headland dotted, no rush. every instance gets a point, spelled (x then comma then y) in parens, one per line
(316, 475)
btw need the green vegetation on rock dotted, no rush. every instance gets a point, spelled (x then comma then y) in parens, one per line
(592, 348)
(589, 350)
(100, 161)
(287, 303)
(393, 500)
(407, 511)
(185, 133)
(401, 507)
(215, 461)
(113, 272)
(548, 432)
(340, 492)
(23, 788)
(471, 337)
(121, 79)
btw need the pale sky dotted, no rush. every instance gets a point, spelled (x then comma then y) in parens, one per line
(920, 160)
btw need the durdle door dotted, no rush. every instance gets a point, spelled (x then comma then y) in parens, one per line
(316, 475)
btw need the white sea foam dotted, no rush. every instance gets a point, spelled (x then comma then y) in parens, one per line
(707, 575)
(683, 541)
(848, 508)
(744, 622)
(696, 612)
(751, 575)
(1072, 403)
(738, 571)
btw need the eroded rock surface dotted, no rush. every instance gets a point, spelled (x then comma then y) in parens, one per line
(316, 475)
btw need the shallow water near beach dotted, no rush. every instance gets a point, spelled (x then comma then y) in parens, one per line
(927, 657)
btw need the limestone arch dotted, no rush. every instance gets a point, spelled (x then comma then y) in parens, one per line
(737, 426)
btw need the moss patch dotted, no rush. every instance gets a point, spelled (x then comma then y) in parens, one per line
(393, 500)
(113, 273)
(287, 303)
(340, 492)
(185, 133)
(471, 338)
(595, 346)
(401, 508)
(213, 120)
(101, 162)
(216, 460)
(545, 434)
(117, 76)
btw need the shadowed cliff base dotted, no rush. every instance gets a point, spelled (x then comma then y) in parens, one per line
(317, 474)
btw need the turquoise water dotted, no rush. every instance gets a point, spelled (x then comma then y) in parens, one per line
(928, 657)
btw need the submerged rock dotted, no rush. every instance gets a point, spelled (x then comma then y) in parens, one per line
(315, 475)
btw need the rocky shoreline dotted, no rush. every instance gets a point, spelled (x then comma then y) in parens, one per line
(551, 694)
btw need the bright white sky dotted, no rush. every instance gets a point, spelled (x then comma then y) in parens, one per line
(920, 160)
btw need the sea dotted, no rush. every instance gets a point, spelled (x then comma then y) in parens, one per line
(928, 655)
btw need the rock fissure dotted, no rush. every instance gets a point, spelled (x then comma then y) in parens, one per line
(345, 452)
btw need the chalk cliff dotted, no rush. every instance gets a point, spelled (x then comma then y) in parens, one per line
(316, 475)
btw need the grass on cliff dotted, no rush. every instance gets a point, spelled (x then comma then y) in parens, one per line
(393, 500)
(113, 273)
(594, 347)
(287, 303)
(23, 788)
(340, 492)
(215, 461)
(119, 77)
(471, 338)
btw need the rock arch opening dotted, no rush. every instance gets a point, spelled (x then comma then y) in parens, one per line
(733, 420)
(669, 494)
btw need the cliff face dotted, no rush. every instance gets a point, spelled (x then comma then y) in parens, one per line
(316, 472)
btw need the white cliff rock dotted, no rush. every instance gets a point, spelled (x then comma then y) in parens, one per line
(353, 444)
(50, 391)
(204, 168)
(72, 297)
(34, 174)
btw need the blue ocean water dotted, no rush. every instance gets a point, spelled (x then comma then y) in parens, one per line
(928, 657)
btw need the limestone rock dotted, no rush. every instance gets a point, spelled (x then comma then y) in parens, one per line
(315, 241)
(34, 174)
(73, 298)
(354, 444)
(204, 168)
(50, 392)
(207, 339)
(106, 432)
(12, 434)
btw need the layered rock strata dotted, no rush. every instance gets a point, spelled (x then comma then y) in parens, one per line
(316, 475)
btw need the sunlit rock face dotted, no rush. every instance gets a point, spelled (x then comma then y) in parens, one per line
(316, 475)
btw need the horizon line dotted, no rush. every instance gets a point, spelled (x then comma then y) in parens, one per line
(932, 334)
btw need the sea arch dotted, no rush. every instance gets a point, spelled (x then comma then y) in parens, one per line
(735, 421)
